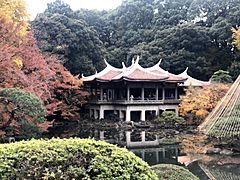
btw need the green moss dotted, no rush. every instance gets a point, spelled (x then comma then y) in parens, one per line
(72, 158)
(173, 172)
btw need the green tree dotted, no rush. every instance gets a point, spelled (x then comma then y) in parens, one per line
(221, 76)
(28, 105)
(193, 33)
(169, 117)
(76, 44)
(71, 158)
(21, 113)
(173, 172)
(234, 69)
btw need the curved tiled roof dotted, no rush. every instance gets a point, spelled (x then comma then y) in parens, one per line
(192, 81)
(106, 74)
(137, 73)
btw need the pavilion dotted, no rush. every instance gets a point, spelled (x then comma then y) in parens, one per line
(192, 81)
(133, 93)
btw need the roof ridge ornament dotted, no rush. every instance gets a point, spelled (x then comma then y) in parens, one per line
(83, 76)
(133, 61)
(185, 71)
(123, 65)
(105, 61)
(137, 60)
(159, 62)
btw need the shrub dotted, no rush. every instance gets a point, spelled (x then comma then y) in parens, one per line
(72, 158)
(169, 117)
(173, 172)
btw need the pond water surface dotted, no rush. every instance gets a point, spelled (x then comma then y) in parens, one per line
(151, 148)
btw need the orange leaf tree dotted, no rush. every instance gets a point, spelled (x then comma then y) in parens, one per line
(22, 65)
(15, 11)
(236, 37)
(199, 102)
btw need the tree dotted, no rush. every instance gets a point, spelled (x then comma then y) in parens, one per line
(22, 65)
(234, 69)
(15, 11)
(58, 31)
(221, 76)
(193, 33)
(199, 102)
(169, 118)
(236, 37)
(20, 110)
(97, 20)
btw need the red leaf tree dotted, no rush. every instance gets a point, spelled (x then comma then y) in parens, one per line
(22, 65)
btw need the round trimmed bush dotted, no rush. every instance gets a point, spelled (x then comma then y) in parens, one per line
(173, 172)
(72, 158)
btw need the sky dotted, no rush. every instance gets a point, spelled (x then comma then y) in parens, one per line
(38, 6)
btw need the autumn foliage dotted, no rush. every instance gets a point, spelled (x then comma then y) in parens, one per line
(22, 65)
(199, 102)
(236, 37)
(15, 11)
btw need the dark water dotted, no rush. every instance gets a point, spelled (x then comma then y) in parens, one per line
(151, 148)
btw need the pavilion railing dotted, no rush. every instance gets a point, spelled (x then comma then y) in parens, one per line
(133, 101)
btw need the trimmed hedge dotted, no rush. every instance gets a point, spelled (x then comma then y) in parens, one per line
(173, 172)
(72, 158)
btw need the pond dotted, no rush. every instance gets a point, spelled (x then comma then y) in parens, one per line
(154, 149)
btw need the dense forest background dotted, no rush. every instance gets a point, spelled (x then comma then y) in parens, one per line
(36, 87)
(183, 33)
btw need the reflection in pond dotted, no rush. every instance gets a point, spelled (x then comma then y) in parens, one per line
(215, 171)
(148, 146)
(144, 144)
(157, 155)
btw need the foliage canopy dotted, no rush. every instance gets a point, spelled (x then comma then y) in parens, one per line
(173, 172)
(169, 117)
(70, 159)
(194, 34)
(21, 113)
(221, 76)
(15, 11)
(199, 102)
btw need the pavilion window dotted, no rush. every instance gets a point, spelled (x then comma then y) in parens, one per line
(105, 93)
(97, 94)
(123, 94)
(136, 136)
(150, 93)
(136, 93)
(119, 94)
(110, 94)
(160, 93)
(170, 93)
